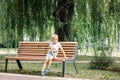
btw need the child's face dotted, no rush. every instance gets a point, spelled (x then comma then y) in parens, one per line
(55, 39)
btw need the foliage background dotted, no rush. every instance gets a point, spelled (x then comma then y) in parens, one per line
(93, 22)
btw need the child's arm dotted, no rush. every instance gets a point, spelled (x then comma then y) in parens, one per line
(63, 52)
(53, 53)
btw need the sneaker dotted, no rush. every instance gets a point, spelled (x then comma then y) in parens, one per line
(46, 71)
(42, 73)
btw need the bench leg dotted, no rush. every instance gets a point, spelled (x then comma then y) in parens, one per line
(19, 64)
(6, 64)
(63, 68)
(75, 67)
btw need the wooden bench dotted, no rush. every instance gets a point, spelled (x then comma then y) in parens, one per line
(36, 51)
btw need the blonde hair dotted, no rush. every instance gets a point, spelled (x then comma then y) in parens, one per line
(54, 36)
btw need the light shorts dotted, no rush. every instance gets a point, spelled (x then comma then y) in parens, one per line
(49, 55)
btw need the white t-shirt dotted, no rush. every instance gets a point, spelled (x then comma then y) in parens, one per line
(55, 47)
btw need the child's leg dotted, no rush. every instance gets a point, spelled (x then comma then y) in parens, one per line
(46, 71)
(45, 64)
(49, 63)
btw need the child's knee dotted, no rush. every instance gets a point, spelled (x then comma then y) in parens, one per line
(47, 61)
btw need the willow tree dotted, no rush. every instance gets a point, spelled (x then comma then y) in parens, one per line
(94, 25)
(31, 17)
(88, 21)
(114, 12)
(95, 22)
(63, 15)
(81, 23)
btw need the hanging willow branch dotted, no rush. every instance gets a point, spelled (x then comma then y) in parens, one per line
(31, 17)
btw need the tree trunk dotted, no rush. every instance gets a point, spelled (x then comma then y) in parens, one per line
(63, 15)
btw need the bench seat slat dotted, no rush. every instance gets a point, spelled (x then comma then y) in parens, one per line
(40, 52)
(68, 55)
(34, 58)
(25, 58)
(33, 45)
(28, 47)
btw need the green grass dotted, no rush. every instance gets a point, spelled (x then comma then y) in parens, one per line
(56, 70)
(113, 73)
(1, 57)
(88, 58)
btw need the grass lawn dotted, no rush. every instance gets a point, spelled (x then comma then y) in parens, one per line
(56, 70)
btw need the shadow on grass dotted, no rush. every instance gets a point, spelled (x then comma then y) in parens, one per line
(38, 73)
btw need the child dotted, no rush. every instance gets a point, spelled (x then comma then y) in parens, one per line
(52, 53)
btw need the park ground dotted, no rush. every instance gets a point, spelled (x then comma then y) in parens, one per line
(8, 76)
(13, 76)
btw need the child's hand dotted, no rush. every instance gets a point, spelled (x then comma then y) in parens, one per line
(66, 58)
(55, 58)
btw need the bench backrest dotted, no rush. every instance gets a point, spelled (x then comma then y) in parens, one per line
(38, 49)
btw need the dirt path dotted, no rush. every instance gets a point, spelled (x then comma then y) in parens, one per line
(8, 76)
